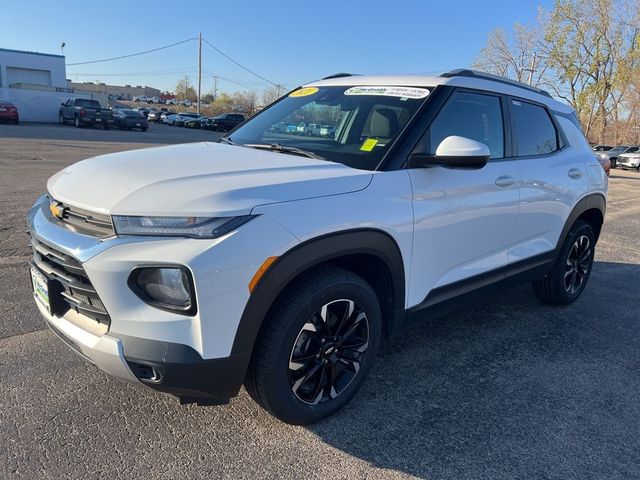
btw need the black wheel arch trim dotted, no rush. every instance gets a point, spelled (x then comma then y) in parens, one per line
(310, 254)
(589, 202)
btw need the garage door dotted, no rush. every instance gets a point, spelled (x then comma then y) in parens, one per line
(28, 75)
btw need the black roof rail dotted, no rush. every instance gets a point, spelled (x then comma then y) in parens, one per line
(466, 72)
(339, 75)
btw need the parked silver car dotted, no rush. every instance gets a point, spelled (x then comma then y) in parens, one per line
(613, 154)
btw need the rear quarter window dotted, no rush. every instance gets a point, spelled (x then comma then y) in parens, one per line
(534, 131)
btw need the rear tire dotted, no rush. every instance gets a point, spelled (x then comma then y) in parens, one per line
(570, 274)
(330, 322)
(144, 129)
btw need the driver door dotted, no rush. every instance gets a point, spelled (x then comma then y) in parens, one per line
(464, 219)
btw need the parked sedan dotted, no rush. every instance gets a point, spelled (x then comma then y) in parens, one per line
(200, 122)
(156, 115)
(630, 161)
(129, 119)
(9, 112)
(601, 148)
(170, 118)
(184, 117)
(615, 152)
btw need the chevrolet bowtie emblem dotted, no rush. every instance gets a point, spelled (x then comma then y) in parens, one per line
(56, 209)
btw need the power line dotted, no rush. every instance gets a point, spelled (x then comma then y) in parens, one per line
(134, 54)
(237, 63)
(231, 80)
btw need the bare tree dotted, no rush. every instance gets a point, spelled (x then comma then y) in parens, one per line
(514, 55)
(590, 47)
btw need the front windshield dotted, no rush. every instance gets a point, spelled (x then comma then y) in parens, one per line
(352, 125)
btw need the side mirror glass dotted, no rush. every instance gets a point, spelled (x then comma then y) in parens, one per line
(453, 152)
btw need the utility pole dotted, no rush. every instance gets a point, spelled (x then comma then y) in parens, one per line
(532, 68)
(215, 87)
(278, 87)
(199, 69)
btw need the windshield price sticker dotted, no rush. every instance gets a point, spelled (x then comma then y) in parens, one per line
(303, 92)
(402, 92)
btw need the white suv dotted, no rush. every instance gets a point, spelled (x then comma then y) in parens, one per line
(281, 260)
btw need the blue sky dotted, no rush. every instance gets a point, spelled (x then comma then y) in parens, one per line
(287, 42)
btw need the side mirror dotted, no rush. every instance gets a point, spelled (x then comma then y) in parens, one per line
(453, 152)
(62, 104)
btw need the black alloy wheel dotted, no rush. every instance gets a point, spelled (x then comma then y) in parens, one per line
(328, 351)
(577, 265)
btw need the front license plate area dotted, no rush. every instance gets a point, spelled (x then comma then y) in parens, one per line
(40, 285)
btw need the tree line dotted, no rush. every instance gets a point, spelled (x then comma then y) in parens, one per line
(247, 102)
(584, 52)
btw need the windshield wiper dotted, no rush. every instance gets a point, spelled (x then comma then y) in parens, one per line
(278, 147)
(226, 140)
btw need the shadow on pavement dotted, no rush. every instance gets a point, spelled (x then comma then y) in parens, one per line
(508, 388)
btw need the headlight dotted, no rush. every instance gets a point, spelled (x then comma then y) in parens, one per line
(193, 227)
(169, 288)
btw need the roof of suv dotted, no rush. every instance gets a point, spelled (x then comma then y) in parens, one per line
(457, 78)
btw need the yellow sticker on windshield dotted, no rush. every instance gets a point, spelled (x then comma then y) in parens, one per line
(303, 92)
(368, 144)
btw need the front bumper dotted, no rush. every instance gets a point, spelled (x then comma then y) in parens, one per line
(626, 166)
(191, 357)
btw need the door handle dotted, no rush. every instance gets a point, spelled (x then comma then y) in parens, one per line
(505, 181)
(574, 173)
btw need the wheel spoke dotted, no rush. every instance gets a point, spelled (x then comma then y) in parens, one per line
(345, 316)
(306, 377)
(319, 390)
(352, 328)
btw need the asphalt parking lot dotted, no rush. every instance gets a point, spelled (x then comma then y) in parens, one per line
(507, 388)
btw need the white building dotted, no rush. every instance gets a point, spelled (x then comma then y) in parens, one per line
(36, 83)
(31, 68)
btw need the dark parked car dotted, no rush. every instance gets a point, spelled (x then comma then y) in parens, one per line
(9, 112)
(227, 121)
(128, 119)
(143, 111)
(82, 111)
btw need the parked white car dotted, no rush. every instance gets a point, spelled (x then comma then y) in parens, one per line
(141, 98)
(629, 160)
(282, 263)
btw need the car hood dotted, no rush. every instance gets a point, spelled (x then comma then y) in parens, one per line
(198, 179)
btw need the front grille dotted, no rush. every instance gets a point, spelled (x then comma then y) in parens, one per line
(78, 293)
(86, 222)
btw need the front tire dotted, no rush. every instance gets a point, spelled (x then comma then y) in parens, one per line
(316, 346)
(570, 274)
(61, 119)
(77, 122)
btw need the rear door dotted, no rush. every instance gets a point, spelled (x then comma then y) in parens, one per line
(554, 177)
(464, 219)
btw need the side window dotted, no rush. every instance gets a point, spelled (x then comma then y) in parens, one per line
(472, 115)
(534, 130)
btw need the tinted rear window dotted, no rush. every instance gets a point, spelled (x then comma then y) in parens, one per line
(87, 103)
(535, 132)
